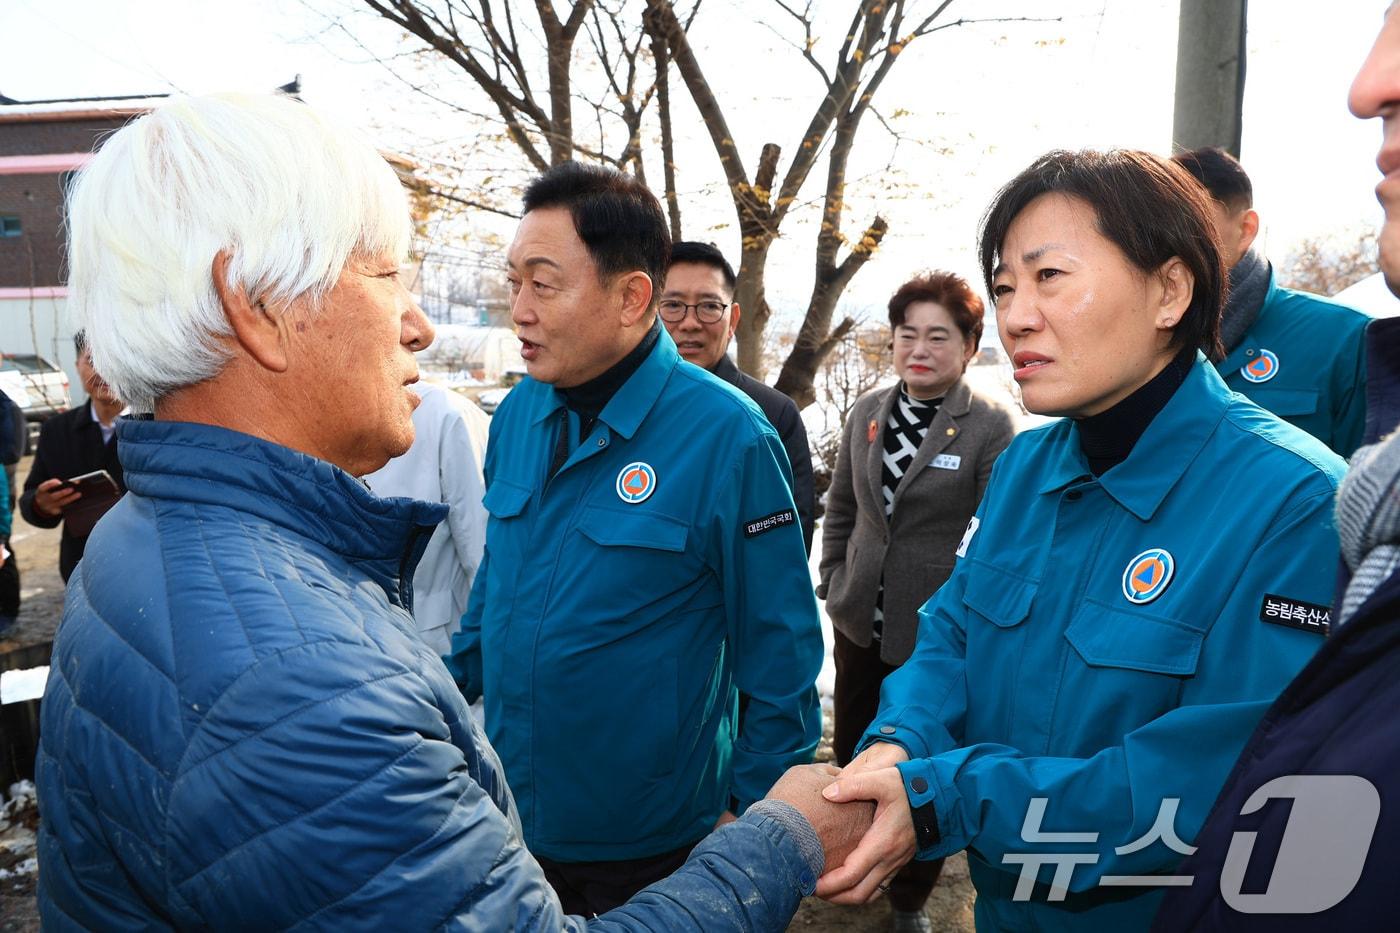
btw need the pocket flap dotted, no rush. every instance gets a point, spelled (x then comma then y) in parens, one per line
(1106, 636)
(505, 500)
(1285, 402)
(1003, 598)
(633, 528)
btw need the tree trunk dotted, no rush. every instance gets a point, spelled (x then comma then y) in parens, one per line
(661, 58)
(815, 341)
(753, 304)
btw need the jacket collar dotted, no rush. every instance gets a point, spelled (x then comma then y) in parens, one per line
(727, 370)
(87, 420)
(630, 405)
(1249, 343)
(206, 465)
(957, 401)
(1161, 456)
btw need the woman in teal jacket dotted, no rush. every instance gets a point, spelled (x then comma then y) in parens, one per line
(1142, 578)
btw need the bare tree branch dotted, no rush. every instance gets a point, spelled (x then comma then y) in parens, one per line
(665, 21)
(408, 16)
(505, 57)
(809, 41)
(472, 203)
(837, 335)
(996, 19)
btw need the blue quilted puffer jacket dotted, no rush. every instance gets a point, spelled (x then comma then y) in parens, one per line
(242, 732)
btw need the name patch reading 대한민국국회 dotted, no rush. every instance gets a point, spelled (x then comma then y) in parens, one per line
(768, 522)
(1294, 613)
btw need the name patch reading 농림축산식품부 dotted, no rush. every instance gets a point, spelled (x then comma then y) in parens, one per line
(1294, 613)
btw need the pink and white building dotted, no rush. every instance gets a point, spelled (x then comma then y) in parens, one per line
(41, 144)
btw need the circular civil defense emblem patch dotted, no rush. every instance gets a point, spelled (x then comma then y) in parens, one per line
(1262, 368)
(1148, 575)
(636, 482)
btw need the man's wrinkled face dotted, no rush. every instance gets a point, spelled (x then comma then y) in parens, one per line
(567, 320)
(352, 361)
(698, 292)
(1376, 93)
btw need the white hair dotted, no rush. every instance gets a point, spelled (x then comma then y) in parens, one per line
(289, 194)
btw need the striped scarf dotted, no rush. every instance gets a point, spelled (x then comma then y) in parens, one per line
(1368, 521)
(904, 432)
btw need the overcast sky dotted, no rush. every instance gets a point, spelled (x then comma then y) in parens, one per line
(983, 99)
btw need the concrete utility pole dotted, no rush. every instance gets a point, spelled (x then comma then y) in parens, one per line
(1210, 60)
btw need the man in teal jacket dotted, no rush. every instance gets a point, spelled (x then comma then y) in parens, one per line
(644, 564)
(1299, 356)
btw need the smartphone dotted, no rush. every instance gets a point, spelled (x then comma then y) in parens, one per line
(97, 484)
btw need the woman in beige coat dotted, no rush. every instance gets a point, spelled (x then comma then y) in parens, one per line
(912, 466)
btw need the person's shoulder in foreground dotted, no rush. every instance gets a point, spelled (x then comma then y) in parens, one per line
(1327, 745)
(1324, 744)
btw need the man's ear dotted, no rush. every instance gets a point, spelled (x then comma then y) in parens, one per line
(1248, 229)
(734, 318)
(258, 332)
(636, 297)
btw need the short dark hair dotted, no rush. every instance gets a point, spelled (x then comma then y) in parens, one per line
(946, 289)
(79, 342)
(1221, 173)
(1148, 206)
(617, 217)
(704, 254)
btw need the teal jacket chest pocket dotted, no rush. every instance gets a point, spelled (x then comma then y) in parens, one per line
(1284, 402)
(1000, 651)
(1002, 598)
(504, 503)
(1126, 666)
(636, 554)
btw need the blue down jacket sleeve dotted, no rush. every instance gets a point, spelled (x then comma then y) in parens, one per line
(354, 799)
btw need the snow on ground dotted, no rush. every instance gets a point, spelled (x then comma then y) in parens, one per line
(18, 817)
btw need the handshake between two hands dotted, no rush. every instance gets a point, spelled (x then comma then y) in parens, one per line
(861, 814)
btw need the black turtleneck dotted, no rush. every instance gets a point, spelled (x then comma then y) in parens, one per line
(588, 399)
(1108, 437)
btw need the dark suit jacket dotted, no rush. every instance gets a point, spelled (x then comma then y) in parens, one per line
(913, 552)
(782, 414)
(70, 445)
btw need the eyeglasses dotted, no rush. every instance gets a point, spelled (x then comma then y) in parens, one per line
(706, 312)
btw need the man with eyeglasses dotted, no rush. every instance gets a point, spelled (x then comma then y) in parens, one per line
(698, 308)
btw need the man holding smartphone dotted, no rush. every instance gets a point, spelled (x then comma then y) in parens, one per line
(73, 444)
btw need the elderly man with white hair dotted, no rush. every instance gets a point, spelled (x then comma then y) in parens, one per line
(241, 730)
